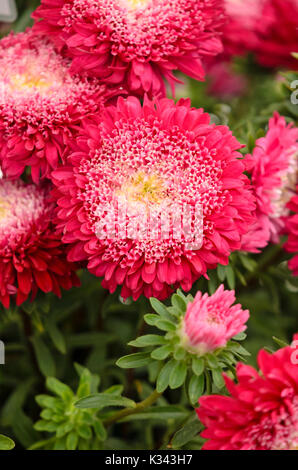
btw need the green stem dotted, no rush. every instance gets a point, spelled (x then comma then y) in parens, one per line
(132, 411)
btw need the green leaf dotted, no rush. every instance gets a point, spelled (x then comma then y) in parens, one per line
(178, 375)
(198, 365)
(101, 400)
(45, 360)
(230, 277)
(59, 388)
(55, 335)
(134, 360)
(196, 388)
(164, 376)
(115, 390)
(280, 342)
(162, 413)
(84, 431)
(212, 361)
(147, 340)
(179, 303)
(218, 378)
(221, 272)
(162, 353)
(159, 307)
(240, 336)
(6, 443)
(151, 318)
(72, 441)
(100, 431)
(187, 432)
(166, 325)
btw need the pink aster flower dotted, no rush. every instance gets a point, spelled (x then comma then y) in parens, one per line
(179, 185)
(211, 321)
(224, 82)
(32, 256)
(273, 167)
(134, 42)
(41, 105)
(292, 229)
(262, 411)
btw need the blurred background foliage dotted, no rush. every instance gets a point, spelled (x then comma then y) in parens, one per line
(90, 327)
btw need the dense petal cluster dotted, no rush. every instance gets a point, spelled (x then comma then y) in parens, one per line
(274, 169)
(41, 105)
(269, 28)
(176, 177)
(292, 229)
(262, 411)
(211, 321)
(32, 256)
(135, 42)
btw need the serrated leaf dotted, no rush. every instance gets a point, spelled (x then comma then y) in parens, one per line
(196, 388)
(178, 375)
(102, 400)
(133, 361)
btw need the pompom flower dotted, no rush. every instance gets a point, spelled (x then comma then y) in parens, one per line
(262, 411)
(239, 34)
(274, 168)
(180, 183)
(211, 321)
(292, 229)
(269, 28)
(136, 42)
(41, 105)
(32, 256)
(277, 33)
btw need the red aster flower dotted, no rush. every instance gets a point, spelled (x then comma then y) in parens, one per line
(262, 411)
(178, 179)
(269, 28)
(292, 229)
(273, 167)
(32, 256)
(136, 42)
(239, 34)
(279, 38)
(41, 105)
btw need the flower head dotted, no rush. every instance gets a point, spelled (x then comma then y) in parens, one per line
(292, 229)
(41, 105)
(274, 170)
(135, 42)
(153, 197)
(211, 321)
(262, 411)
(32, 256)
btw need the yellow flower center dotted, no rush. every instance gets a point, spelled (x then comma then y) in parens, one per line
(4, 208)
(29, 81)
(134, 4)
(148, 189)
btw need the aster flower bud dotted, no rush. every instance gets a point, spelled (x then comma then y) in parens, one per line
(197, 344)
(211, 321)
